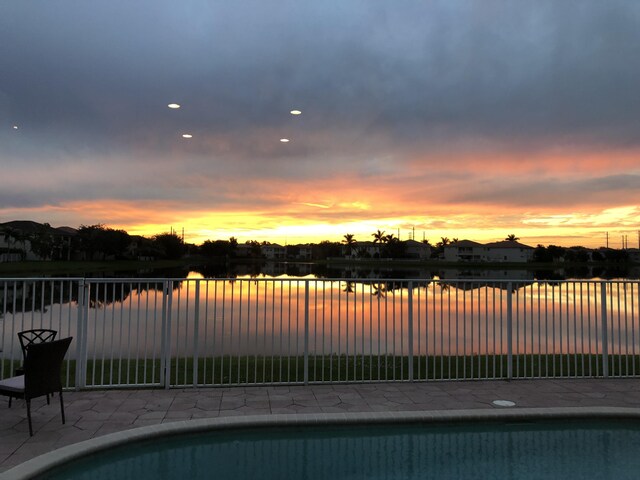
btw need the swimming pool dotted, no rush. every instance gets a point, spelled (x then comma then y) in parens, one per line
(523, 448)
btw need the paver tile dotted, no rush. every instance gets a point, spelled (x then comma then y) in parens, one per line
(94, 413)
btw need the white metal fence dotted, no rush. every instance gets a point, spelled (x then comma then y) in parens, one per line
(188, 332)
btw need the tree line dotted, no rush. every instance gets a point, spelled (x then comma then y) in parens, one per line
(90, 242)
(99, 242)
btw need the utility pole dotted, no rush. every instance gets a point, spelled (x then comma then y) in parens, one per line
(607, 239)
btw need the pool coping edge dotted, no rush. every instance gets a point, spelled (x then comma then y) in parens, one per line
(45, 462)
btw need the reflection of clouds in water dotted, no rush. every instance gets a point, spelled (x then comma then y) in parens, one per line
(255, 317)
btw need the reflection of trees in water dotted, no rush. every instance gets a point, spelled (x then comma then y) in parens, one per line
(379, 290)
(35, 296)
(38, 296)
(349, 287)
(104, 294)
(510, 286)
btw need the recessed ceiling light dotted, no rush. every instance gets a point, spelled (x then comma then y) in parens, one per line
(284, 140)
(174, 105)
(295, 112)
(187, 135)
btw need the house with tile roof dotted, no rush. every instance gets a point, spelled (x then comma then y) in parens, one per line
(464, 251)
(506, 251)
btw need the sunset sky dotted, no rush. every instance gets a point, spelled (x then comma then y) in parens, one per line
(467, 119)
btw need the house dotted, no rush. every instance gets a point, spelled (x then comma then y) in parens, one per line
(298, 252)
(634, 254)
(273, 251)
(362, 250)
(501, 252)
(34, 241)
(508, 251)
(419, 250)
(464, 251)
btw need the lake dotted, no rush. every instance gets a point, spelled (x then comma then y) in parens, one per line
(124, 326)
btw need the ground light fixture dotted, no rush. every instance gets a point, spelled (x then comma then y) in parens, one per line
(295, 112)
(504, 403)
(284, 140)
(15, 127)
(187, 135)
(174, 105)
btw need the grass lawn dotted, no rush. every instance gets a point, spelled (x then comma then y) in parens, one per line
(245, 370)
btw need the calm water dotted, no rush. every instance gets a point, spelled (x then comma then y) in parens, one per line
(585, 450)
(280, 317)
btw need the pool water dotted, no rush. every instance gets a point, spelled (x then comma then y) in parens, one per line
(563, 450)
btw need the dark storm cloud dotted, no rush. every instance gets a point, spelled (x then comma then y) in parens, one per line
(101, 73)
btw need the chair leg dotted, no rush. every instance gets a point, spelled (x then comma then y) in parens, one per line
(29, 417)
(10, 398)
(48, 403)
(61, 407)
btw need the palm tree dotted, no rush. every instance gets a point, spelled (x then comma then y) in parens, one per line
(512, 238)
(9, 236)
(349, 239)
(22, 238)
(378, 237)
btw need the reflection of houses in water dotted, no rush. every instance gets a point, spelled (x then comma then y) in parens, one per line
(377, 272)
(471, 274)
(277, 269)
(27, 296)
(475, 279)
(38, 295)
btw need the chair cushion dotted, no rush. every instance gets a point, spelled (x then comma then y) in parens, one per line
(13, 384)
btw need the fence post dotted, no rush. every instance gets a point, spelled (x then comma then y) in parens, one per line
(81, 341)
(306, 332)
(410, 328)
(509, 331)
(605, 339)
(196, 320)
(165, 362)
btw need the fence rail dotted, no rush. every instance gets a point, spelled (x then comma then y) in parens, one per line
(206, 332)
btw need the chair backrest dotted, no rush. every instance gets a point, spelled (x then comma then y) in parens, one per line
(36, 335)
(43, 367)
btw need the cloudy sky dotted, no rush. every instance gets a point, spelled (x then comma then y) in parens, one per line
(467, 119)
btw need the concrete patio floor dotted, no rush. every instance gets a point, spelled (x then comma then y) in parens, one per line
(94, 413)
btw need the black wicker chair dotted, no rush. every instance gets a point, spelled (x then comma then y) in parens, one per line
(29, 337)
(42, 372)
